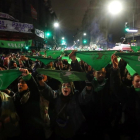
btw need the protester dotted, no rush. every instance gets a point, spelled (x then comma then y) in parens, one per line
(130, 99)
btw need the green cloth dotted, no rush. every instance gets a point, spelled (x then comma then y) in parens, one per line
(137, 89)
(67, 52)
(135, 48)
(7, 77)
(97, 86)
(54, 54)
(42, 59)
(69, 60)
(96, 59)
(64, 76)
(27, 78)
(15, 44)
(133, 60)
(130, 70)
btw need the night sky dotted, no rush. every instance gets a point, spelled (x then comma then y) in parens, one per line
(70, 14)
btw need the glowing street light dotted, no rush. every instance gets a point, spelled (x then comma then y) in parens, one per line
(84, 34)
(115, 7)
(63, 38)
(56, 24)
(78, 40)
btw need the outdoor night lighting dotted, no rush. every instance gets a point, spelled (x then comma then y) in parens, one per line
(56, 24)
(84, 34)
(132, 30)
(115, 7)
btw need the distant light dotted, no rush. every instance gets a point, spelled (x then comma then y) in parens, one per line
(78, 40)
(84, 34)
(115, 7)
(63, 38)
(132, 31)
(56, 24)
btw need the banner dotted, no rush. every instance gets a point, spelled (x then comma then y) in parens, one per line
(96, 59)
(7, 77)
(4, 15)
(15, 44)
(135, 48)
(39, 33)
(64, 76)
(7, 25)
(53, 54)
(42, 59)
(132, 59)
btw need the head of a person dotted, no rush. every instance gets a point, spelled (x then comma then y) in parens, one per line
(100, 75)
(67, 88)
(136, 81)
(128, 76)
(13, 64)
(22, 85)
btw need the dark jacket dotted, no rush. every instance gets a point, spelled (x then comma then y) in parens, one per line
(27, 105)
(130, 100)
(75, 66)
(65, 112)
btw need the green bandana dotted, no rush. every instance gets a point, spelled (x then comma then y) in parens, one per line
(137, 89)
(97, 86)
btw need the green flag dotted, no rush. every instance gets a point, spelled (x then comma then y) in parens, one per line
(67, 52)
(53, 54)
(69, 60)
(42, 59)
(64, 76)
(96, 59)
(135, 48)
(7, 77)
(133, 59)
(130, 70)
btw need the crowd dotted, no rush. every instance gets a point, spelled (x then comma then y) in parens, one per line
(106, 106)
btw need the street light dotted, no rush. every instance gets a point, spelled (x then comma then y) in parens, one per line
(56, 24)
(84, 34)
(78, 40)
(115, 7)
(63, 38)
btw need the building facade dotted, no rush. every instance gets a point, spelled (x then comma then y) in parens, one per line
(103, 28)
(39, 13)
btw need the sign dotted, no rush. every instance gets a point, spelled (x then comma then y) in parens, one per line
(4, 15)
(15, 44)
(39, 33)
(7, 25)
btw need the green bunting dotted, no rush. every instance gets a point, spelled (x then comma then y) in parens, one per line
(53, 54)
(135, 48)
(67, 52)
(69, 60)
(96, 59)
(130, 70)
(64, 76)
(133, 60)
(42, 59)
(7, 77)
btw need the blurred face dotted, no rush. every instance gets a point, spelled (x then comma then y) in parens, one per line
(66, 89)
(136, 81)
(22, 86)
(73, 58)
(15, 65)
(128, 76)
(99, 75)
